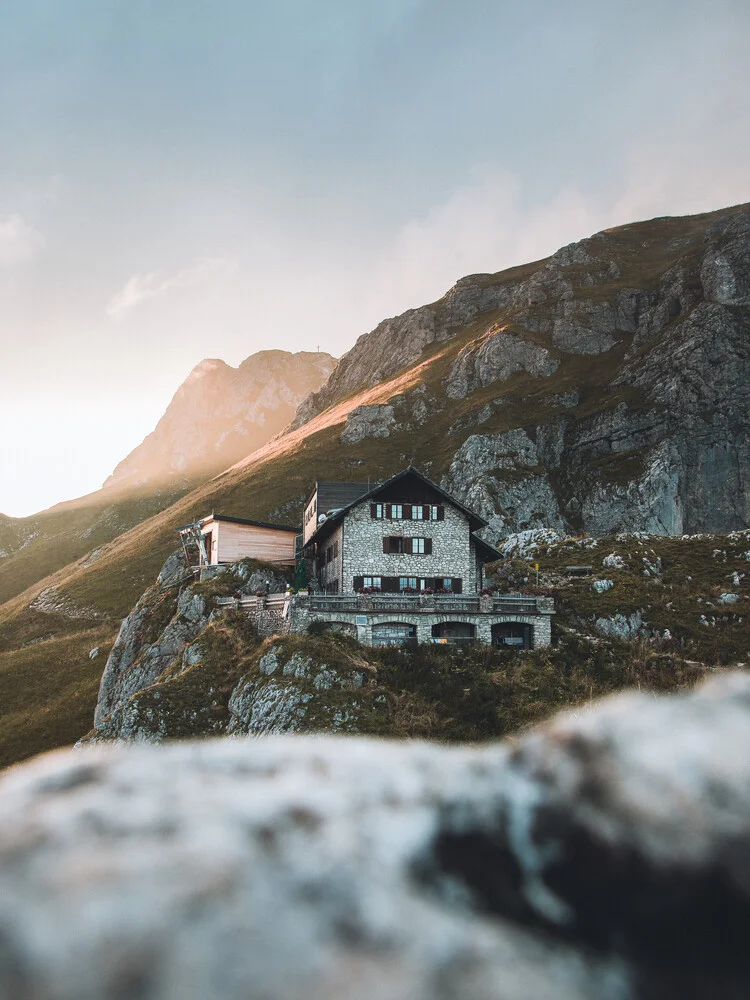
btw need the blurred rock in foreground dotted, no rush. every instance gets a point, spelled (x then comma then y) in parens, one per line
(604, 856)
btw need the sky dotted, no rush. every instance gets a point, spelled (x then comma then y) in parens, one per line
(182, 180)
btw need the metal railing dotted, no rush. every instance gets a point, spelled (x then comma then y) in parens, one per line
(506, 604)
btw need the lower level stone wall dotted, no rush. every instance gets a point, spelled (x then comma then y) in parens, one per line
(542, 624)
(270, 622)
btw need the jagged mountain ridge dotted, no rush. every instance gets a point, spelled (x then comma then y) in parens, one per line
(216, 417)
(220, 414)
(607, 386)
(628, 347)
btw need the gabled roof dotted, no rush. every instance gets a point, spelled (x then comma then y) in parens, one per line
(254, 524)
(475, 521)
(331, 496)
(489, 552)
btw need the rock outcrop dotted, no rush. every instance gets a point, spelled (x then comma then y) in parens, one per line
(604, 389)
(396, 343)
(220, 414)
(179, 667)
(603, 856)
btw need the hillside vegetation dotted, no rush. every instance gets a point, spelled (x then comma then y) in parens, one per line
(653, 613)
(604, 389)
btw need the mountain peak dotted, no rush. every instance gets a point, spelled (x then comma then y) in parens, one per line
(220, 414)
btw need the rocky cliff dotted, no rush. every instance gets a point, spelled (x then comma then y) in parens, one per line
(653, 612)
(220, 414)
(602, 857)
(601, 390)
(180, 667)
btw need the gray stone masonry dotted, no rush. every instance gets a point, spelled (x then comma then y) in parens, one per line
(453, 548)
(423, 616)
(330, 572)
(279, 616)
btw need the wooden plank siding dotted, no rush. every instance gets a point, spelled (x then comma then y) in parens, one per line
(241, 541)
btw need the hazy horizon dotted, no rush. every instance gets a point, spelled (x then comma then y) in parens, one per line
(189, 183)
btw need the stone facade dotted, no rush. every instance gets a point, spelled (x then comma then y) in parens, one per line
(328, 570)
(541, 624)
(453, 553)
(403, 561)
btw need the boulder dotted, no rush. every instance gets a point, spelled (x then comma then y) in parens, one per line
(602, 857)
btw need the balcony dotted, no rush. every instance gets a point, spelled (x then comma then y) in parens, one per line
(474, 604)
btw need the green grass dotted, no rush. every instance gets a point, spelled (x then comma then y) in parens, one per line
(483, 693)
(46, 542)
(42, 711)
(273, 486)
(693, 577)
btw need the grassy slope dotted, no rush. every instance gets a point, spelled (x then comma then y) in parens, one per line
(695, 571)
(44, 543)
(51, 707)
(459, 694)
(273, 482)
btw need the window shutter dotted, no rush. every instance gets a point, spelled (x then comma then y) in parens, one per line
(441, 513)
(428, 546)
(373, 510)
(359, 582)
(407, 512)
(408, 546)
(457, 585)
(386, 510)
(426, 512)
(386, 544)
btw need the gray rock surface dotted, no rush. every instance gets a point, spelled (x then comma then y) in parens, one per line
(377, 420)
(652, 433)
(151, 639)
(619, 626)
(173, 570)
(495, 357)
(602, 857)
(220, 414)
(287, 694)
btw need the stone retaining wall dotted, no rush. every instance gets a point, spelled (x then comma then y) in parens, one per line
(281, 619)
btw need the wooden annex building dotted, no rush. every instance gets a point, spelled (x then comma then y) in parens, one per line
(219, 539)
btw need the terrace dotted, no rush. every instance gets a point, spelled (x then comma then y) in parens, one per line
(498, 604)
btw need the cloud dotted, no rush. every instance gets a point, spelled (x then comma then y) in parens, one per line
(19, 241)
(489, 224)
(152, 285)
